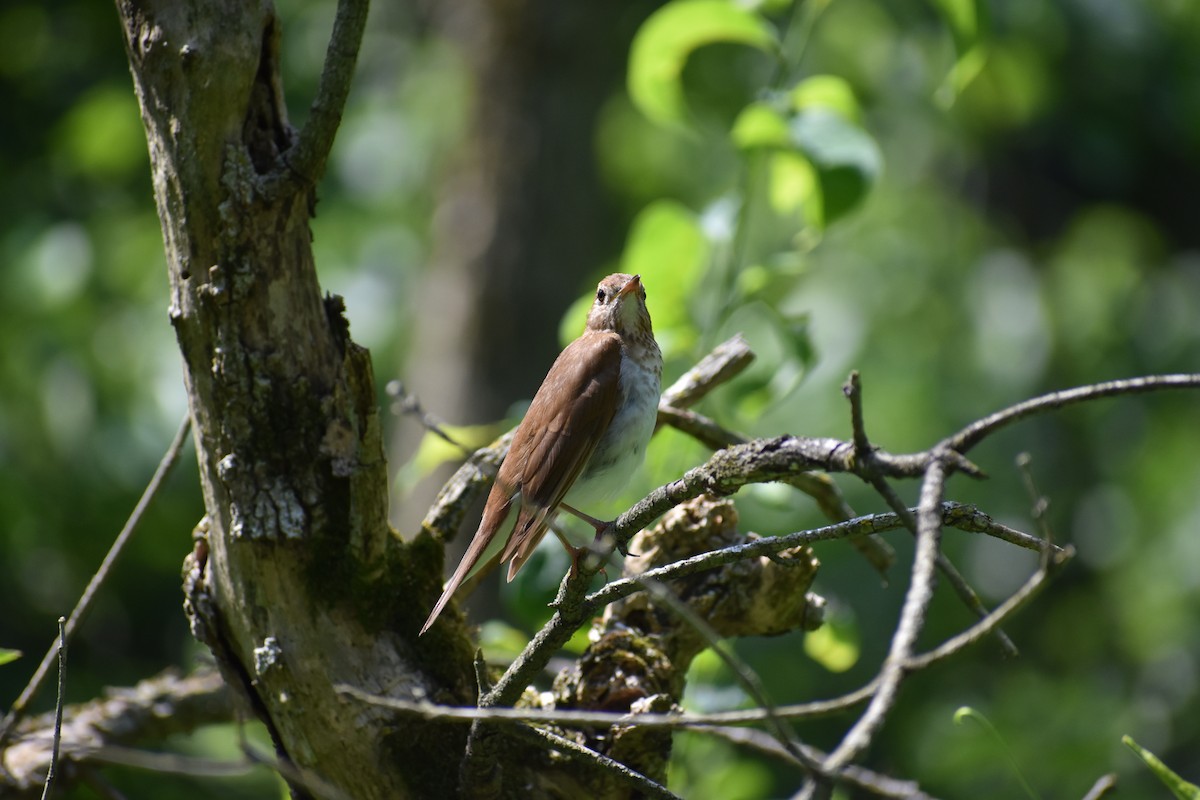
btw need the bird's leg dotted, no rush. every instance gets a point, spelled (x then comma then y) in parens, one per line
(599, 525)
(576, 553)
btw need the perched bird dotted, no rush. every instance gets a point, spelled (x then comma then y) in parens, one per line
(584, 433)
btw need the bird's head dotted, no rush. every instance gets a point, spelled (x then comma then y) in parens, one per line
(620, 306)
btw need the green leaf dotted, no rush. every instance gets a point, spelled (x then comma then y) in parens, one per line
(834, 645)
(794, 185)
(663, 43)
(760, 125)
(847, 159)
(965, 69)
(829, 92)
(7, 655)
(968, 26)
(1178, 786)
(501, 641)
(433, 451)
(963, 18)
(102, 134)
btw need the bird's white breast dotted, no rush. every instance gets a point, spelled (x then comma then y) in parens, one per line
(622, 448)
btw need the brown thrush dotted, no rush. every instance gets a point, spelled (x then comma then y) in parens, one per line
(584, 433)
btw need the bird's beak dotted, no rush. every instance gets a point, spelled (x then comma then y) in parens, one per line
(632, 285)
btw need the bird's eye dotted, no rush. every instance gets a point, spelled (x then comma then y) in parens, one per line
(601, 296)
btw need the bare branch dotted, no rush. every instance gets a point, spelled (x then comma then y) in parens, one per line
(912, 619)
(1102, 787)
(724, 362)
(1050, 564)
(408, 404)
(816, 485)
(966, 518)
(853, 391)
(434, 711)
(782, 459)
(974, 433)
(870, 471)
(585, 755)
(873, 782)
(48, 788)
(306, 158)
(699, 427)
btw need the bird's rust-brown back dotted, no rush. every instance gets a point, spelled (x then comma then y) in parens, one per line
(572, 408)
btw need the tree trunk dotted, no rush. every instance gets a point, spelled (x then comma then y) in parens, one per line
(299, 584)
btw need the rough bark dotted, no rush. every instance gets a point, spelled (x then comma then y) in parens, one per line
(297, 582)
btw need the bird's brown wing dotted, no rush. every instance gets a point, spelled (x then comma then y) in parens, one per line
(549, 449)
(569, 414)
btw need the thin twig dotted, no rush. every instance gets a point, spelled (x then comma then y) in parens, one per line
(953, 514)
(167, 763)
(409, 404)
(432, 711)
(974, 433)
(1106, 783)
(912, 619)
(51, 772)
(1049, 564)
(869, 469)
(1039, 503)
(84, 605)
(873, 782)
(741, 670)
(306, 158)
(853, 391)
(723, 362)
(630, 777)
(818, 486)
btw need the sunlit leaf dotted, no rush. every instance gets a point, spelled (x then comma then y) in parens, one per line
(705, 766)
(829, 92)
(963, 18)
(834, 645)
(102, 135)
(1179, 787)
(434, 451)
(7, 655)
(965, 69)
(847, 159)
(501, 642)
(663, 43)
(967, 25)
(760, 125)
(794, 185)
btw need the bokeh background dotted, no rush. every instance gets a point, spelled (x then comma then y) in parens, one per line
(1003, 225)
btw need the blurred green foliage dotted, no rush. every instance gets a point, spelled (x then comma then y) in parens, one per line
(969, 203)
